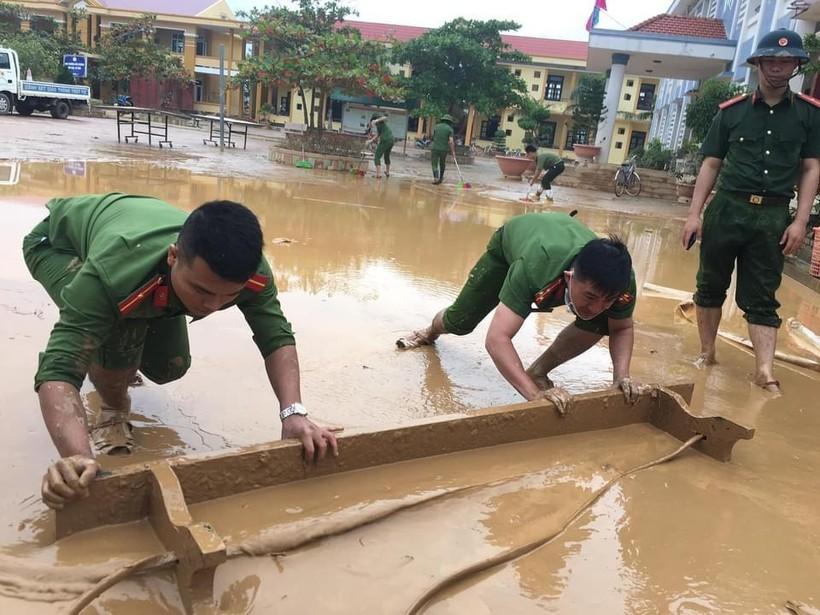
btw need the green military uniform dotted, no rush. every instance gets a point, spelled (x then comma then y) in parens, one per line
(442, 133)
(524, 266)
(103, 260)
(385, 143)
(761, 148)
(552, 165)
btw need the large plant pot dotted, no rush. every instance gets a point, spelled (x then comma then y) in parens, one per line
(513, 166)
(684, 191)
(586, 153)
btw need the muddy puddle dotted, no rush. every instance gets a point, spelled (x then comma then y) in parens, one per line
(358, 263)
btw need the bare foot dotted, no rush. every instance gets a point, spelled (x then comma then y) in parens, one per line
(705, 359)
(768, 385)
(414, 340)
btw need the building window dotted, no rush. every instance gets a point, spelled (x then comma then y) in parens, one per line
(619, 144)
(508, 132)
(511, 118)
(42, 24)
(630, 83)
(536, 74)
(548, 135)
(555, 86)
(535, 87)
(201, 45)
(298, 106)
(178, 41)
(198, 90)
(646, 97)
(517, 72)
(284, 104)
(622, 131)
(636, 140)
(627, 96)
(489, 127)
(579, 136)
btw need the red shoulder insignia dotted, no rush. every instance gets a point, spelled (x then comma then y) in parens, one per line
(132, 301)
(552, 289)
(733, 101)
(809, 99)
(624, 299)
(257, 283)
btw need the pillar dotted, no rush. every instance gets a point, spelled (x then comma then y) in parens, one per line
(606, 126)
(468, 135)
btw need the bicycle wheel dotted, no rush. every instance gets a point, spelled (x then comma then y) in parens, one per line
(633, 185)
(619, 184)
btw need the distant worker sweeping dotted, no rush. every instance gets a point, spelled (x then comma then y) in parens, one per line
(548, 166)
(125, 272)
(534, 263)
(384, 136)
(443, 142)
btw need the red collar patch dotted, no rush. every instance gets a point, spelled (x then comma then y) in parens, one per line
(135, 299)
(624, 299)
(550, 292)
(257, 283)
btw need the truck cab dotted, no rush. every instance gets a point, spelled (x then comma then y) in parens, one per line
(27, 96)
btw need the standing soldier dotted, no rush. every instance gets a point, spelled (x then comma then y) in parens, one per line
(125, 272)
(761, 145)
(385, 146)
(442, 142)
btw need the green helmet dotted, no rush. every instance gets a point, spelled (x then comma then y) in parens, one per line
(447, 118)
(780, 43)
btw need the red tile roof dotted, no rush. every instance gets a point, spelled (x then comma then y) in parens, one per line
(680, 25)
(162, 7)
(532, 46)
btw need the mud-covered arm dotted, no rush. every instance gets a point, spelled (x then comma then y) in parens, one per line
(621, 341)
(504, 326)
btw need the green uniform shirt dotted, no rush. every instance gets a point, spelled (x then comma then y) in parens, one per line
(545, 161)
(762, 146)
(539, 247)
(441, 137)
(385, 134)
(121, 244)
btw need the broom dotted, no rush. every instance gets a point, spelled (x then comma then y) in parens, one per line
(461, 183)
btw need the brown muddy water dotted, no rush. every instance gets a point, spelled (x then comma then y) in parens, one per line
(358, 263)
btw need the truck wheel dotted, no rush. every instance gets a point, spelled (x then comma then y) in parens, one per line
(60, 110)
(24, 107)
(5, 103)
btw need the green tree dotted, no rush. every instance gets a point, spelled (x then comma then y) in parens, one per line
(128, 50)
(533, 120)
(500, 140)
(308, 48)
(588, 104)
(463, 63)
(811, 43)
(704, 106)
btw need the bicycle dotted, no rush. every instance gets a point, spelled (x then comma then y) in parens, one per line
(627, 179)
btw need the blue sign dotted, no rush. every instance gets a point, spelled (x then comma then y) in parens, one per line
(76, 65)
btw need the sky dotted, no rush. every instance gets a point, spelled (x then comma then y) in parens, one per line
(560, 19)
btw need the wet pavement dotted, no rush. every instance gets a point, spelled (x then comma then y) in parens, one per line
(358, 263)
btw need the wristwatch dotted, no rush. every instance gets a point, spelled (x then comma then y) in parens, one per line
(294, 408)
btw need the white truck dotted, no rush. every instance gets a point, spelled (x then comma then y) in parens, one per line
(30, 96)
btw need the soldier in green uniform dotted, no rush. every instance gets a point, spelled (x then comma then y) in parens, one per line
(385, 146)
(442, 143)
(760, 145)
(125, 271)
(534, 263)
(547, 163)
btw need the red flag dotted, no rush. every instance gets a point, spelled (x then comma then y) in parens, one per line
(595, 15)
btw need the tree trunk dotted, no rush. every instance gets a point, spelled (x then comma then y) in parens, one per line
(321, 110)
(312, 103)
(304, 105)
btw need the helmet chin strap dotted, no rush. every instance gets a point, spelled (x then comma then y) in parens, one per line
(780, 83)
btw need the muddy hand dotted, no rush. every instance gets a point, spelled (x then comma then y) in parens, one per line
(562, 399)
(315, 440)
(632, 390)
(67, 479)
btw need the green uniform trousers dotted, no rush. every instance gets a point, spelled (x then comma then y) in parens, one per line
(479, 296)
(383, 149)
(737, 231)
(158, 347)
(438, 159)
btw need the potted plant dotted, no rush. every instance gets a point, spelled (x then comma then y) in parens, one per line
(587, 110)
(687, 164)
